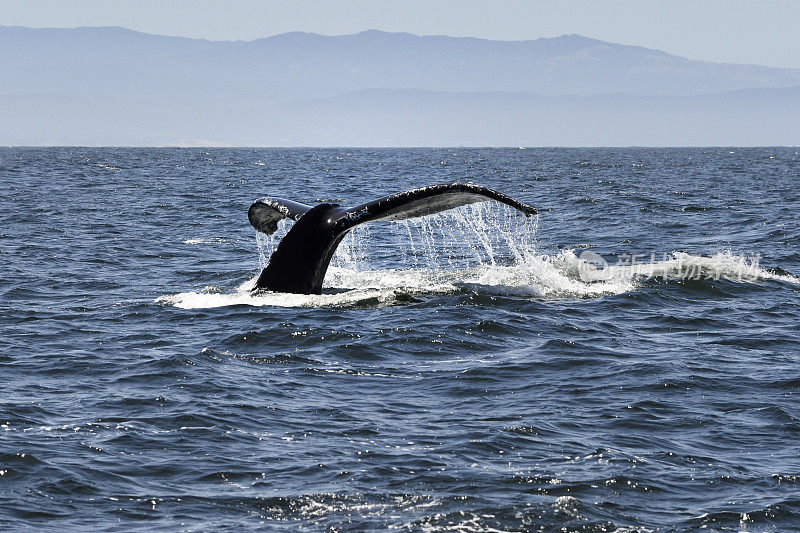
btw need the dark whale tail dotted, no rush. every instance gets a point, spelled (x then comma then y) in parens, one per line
(299, 263)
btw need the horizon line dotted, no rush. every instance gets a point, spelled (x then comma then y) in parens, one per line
(405, 147)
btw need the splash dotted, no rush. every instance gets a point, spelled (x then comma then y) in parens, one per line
(475, 249)
(681, 266)
(477, 234)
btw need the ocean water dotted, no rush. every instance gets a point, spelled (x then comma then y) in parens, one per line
(626, 360)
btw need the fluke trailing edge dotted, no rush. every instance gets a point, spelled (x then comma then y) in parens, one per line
(301, 259)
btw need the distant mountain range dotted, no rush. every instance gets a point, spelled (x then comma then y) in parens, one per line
(116, 86)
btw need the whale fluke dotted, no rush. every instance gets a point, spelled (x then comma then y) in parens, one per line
(301, 259)
(265, 214)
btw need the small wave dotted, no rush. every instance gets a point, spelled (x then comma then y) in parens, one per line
(243, 295)
(684, 266)
(540, 276)
(205, 241)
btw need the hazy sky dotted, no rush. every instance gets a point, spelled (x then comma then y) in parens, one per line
(764, 32)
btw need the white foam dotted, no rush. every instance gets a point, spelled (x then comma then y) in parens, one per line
(684, 266)
(243, 296)
(472, 249)
(216, 240)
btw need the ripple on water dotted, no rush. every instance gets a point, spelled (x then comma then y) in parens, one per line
(470, 371)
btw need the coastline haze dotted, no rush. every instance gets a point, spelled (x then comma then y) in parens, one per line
(114, 86)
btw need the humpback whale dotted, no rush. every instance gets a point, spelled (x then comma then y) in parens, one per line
(300, 261)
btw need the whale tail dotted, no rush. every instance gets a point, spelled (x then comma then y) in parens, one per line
(301, 259)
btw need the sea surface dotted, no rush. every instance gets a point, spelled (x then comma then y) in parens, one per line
(629, 359)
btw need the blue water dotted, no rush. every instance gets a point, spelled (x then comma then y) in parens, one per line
(451, 377)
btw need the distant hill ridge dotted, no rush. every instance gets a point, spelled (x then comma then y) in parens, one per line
(111, 85)
(299, 64)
